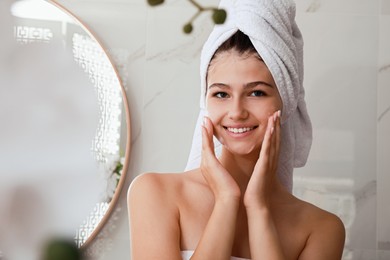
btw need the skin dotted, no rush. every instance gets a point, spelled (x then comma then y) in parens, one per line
(233, 205)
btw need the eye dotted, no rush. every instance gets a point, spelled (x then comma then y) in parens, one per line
(257, 93)
(220, 95)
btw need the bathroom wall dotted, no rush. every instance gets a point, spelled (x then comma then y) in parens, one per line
(347, 81)
(383, 130)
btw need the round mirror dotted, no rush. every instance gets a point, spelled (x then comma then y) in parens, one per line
(65, 125)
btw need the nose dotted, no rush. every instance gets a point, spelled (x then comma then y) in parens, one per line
(237, 110)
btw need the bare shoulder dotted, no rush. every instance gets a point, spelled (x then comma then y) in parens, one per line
(154, 216)
(153, 185)
(326, 233)
(320, 219)
(159, 186)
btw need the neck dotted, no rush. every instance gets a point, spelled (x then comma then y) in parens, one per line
(241, 168)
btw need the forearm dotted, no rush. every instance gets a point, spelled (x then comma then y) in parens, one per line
(218, 236)
(263, 237)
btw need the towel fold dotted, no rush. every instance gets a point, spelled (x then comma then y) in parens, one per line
(271, 27)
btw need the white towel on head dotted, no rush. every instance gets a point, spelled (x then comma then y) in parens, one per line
(271, 27)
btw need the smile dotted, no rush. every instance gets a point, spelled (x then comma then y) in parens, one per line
(240, 130)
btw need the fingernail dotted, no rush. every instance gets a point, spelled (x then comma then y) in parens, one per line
(279, 113)
(272, 130)
(274, 117)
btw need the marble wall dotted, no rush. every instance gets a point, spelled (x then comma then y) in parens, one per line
(347, 78)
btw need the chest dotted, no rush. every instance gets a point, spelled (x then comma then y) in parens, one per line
(194, 216)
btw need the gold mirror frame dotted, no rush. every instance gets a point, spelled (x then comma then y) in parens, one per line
(121, 182)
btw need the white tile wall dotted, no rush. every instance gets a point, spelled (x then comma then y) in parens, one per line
(383, 148)
(345, 7)
(386, 7)
(383, 255)
(347, 95)
(171, 101)
(340, 79)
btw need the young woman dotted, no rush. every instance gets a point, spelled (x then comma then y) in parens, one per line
(233, 206)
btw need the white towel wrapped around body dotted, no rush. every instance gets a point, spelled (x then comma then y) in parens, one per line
(271, 27)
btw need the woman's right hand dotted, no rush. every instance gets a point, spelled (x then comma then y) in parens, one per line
(218, 178)
(217, 239)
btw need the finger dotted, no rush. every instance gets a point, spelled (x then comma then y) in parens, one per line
(207, 137)
(205, 141)
(273, 140)
(210, 128)
(278, 131)
(262, 164)
(265, 147)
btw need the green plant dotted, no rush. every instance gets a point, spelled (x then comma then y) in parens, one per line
(111, 171)
(118, 170)
(61, 249)
(218, 15)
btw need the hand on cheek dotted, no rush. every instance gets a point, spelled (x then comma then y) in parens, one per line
(259, 187)
(218, 178)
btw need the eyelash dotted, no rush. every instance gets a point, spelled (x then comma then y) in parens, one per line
(259, 92)
(255, 93)
(218, 94)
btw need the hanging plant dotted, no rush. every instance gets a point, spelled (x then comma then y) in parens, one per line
(218, 15)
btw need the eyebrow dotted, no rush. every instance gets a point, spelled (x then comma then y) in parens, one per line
(248, 85)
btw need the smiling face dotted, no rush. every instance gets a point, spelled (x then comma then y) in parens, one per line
(241, 95)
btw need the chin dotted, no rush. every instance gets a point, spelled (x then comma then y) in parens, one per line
(241, 149)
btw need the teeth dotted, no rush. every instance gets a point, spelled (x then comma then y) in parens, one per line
(239, 130)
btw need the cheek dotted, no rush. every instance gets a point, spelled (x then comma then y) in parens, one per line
(263, 114)
(215, 117)
(213, 112)
(270, 107)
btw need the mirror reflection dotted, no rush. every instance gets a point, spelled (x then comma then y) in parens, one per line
(64, 114)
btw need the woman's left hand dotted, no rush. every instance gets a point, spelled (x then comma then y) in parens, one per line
(260, 184)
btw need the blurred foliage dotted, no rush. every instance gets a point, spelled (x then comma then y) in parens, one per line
(118, 170)
(61, 249)
(218, 15)
(155, 2)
